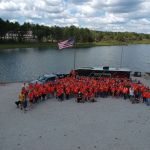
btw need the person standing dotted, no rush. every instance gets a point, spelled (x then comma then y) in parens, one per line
(79, 97)
(125, 93)
(148, 98)
(25, 103)
(67, 92)
(21, 99)
(30, 97)
(131, 93)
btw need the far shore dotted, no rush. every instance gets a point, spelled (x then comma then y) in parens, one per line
(77, 45)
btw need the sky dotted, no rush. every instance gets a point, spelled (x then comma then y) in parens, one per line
(101, 15)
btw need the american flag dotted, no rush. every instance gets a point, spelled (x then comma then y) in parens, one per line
(66, 43)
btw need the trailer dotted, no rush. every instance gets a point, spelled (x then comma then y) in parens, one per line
(105, 71)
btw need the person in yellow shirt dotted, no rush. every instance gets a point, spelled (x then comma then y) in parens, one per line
(21, 99)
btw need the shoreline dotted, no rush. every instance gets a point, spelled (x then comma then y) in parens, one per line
(77, 45)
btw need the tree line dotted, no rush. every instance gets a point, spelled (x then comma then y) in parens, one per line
(15, 32)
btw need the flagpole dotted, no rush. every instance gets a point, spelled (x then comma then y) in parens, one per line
(121, 56)
(74, 63)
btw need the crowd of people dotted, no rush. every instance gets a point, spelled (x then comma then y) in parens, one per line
(83, 89)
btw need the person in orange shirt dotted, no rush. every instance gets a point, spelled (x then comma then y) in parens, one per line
(91, 96)
(49, 91)
(121, 90)
(148, 98)
(103, 92)
(144, 96)
(106, 90)
(67, 92)
(75, 90)
(117, 91)
(100, 90)
(95, 88)
(113, 91)
(43, 92)
(39, 93)
(85, 93)
(125, 93)
(60, 94)
(30, 97)
(36, 96)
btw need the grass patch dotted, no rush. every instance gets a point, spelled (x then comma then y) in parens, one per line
(27, 45)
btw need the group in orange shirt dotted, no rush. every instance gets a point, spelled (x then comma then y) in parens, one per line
(89, 87)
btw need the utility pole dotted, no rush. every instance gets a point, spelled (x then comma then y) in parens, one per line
(74, 64)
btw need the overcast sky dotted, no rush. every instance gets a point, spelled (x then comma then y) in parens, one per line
(103, 15)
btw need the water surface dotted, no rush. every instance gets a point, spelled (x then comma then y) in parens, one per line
(29, 63)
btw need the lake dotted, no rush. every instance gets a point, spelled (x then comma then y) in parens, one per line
(28, 63)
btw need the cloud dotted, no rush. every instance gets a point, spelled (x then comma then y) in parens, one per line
(118, 6)
(112, 15)
(8, 6)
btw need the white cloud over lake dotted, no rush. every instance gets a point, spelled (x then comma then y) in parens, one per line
(104, 15)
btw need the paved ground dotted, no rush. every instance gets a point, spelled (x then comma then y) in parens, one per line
(108, 124)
